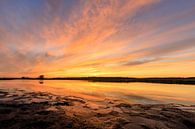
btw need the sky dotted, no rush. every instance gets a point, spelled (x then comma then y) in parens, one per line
(72, 38)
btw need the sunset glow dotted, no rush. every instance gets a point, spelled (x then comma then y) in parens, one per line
(71, 38)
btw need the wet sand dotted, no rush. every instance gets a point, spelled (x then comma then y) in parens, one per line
(38, 110)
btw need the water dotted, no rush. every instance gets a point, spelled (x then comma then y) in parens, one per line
(143, 93)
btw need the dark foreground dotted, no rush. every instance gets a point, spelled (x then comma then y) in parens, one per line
(29, 110)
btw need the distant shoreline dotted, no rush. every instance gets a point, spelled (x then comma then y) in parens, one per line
(171, 80)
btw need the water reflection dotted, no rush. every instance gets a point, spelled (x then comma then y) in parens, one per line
(41, 82)
(129, 92)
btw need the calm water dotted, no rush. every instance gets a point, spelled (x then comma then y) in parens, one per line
(97, 91)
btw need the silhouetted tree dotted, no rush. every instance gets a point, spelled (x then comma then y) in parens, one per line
(41, 76)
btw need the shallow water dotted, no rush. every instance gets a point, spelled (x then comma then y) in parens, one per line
(143, 93)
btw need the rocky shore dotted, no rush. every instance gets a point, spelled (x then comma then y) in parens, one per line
(37, 110)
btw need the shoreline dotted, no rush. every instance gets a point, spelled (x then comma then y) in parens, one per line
(188, 81)
(40, 110)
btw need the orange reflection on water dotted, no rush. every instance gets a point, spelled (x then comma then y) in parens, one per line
(96, 91)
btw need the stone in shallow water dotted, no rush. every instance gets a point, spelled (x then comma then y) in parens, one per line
(70, 112)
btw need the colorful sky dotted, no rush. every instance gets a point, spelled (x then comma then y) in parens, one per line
(131, 38)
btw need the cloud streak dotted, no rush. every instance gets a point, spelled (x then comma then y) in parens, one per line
(96, 38)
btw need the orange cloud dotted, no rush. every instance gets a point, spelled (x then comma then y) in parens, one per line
(97, 38)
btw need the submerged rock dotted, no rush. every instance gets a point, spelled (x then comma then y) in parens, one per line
(47, 111)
